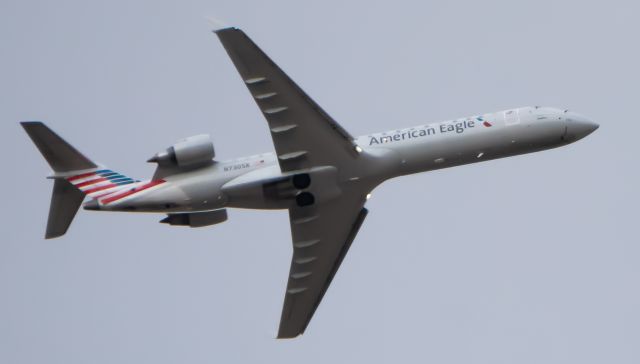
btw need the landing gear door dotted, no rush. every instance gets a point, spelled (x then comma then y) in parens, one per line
(512, 117)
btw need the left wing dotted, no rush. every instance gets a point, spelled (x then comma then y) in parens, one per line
(322, 235)
(303, 134)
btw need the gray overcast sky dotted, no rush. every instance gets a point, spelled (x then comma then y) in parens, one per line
(532, 259)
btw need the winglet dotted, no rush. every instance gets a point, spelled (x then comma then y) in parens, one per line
(217, 24)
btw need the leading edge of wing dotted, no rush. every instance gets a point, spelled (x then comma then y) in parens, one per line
(224, 30)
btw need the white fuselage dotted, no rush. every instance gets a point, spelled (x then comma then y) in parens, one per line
(241, 182)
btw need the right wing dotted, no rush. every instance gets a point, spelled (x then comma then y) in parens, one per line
(303, 134)
(322, 235)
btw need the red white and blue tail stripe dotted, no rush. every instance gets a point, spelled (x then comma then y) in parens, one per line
(100, 183)
(133, 190)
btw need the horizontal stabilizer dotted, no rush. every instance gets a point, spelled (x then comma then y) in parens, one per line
(65, 202)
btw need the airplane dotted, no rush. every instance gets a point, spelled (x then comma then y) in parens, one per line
(319, 172)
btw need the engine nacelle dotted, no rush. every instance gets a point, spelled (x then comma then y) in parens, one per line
(272, 189)
(188, 152)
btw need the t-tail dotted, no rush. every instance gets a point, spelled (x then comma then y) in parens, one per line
(75, 176)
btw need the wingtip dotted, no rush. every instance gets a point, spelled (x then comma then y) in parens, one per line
(52, 235)
(217, 24)
(287, 335)
(30, 123)
(31, 126)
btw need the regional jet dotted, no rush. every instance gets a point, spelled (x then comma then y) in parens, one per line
(319, 172)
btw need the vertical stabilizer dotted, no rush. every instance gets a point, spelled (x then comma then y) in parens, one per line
(62, 157)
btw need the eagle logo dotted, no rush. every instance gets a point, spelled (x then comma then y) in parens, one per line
(484, 122)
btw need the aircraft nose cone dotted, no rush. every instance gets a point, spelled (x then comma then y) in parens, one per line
(579, 126)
